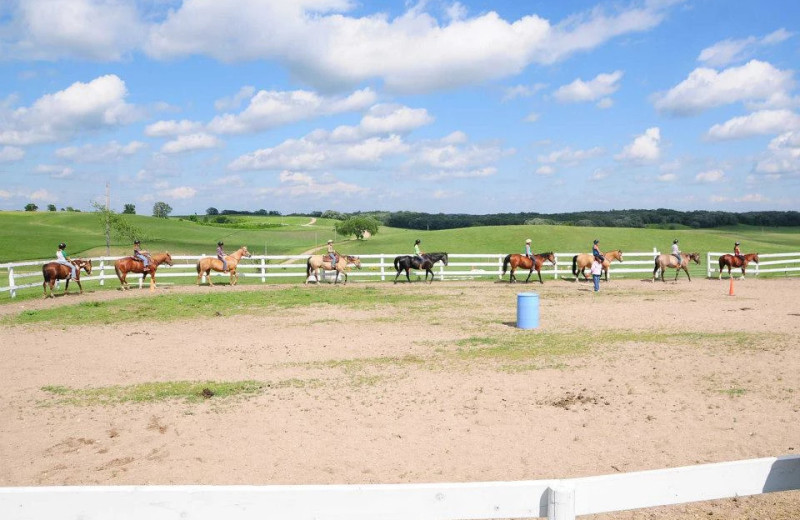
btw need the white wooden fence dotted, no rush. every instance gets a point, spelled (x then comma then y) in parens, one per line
(553, 499)
(22, 275)
(784, 263)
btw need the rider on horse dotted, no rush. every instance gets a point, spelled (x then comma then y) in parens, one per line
(738, 254)
(221, 256)
(140, 254)
(676, 252)
(417, 253)
(596, 253)
(528, 252)
(332, 253)
(63, 258)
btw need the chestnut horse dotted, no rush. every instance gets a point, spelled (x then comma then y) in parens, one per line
(734, 261)
(205, 265)
(669, 260)
(408, 262)
(54, 271)
(128, 264)
(582, 261)
(527, 263)
(317, 262)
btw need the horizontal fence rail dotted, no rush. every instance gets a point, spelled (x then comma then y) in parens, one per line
(553, 499)
(461, 266)
(785, 263)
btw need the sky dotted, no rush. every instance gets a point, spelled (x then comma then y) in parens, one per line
(435, 106)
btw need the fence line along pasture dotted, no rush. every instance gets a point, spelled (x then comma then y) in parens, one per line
(378, 266)
(553, 499)
(785, 263)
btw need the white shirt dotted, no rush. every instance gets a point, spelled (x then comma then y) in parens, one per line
(60, 255)
(675, 250)
(597, 268)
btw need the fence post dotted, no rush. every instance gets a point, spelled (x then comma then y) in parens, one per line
(561, 502)
(102, 271)
(709, 271)
(263, 270)
(441, 272)
(11, 284)
(383, 267)
(555, 267)
(204, 274)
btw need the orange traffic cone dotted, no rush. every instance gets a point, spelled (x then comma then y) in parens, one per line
(730, 291)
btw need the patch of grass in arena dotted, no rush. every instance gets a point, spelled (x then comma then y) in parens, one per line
(734, 392)
(522, 347)
(168, 307)
(190, 391)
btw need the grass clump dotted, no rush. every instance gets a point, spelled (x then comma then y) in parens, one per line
(189, 391)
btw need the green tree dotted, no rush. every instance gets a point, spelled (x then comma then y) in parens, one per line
(212, 211)
(161, 209)
(358, 226)
(31, 207)
(130, 209)
(119, 225)
(51, 207)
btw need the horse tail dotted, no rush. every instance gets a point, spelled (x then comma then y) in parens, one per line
(575, 265)
(505, 263)
(308, 267)
(721, 262)
(116, 270)
(396, 262)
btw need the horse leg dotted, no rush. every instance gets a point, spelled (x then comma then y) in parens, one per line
(511, 275)
(687, 273)
(80, 287)
(66, 286)
(529, 275)
(152, 280)
(426, 275)
(44, 288)
(742, 272)
(540, 276)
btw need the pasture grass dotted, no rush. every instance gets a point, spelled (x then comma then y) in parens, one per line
(190, 391)
(170, 307)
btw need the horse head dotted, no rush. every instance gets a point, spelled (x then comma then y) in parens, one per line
(550, 257)
(356, 261)
(245, 252)
(444, 259)
(619, 254)
(755, 258)
(168, 259)
(695, 257)
(86, 265)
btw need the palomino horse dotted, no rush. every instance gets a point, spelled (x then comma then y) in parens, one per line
(735, 261)
(582, 261)
(408, 262)
(205, 265)
(317, 262)
(54, 271)
(669, 260)
(526, 263)
(128, 264)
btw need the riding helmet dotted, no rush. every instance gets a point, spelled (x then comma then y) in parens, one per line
(596, 241)
(417, 241)
(136, 242)
(675, 241)
(737, 243)
(220, 243)
(330, 241)
(528, 241)
(62, 245)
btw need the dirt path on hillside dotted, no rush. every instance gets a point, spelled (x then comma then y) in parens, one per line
(419, 392)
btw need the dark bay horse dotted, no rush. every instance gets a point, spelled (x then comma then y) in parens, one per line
(582, 261)
(732, 261)
(317, 262)
(54, 271)
(526, 263)
(128, 264)
(408, 262)
(669, 260)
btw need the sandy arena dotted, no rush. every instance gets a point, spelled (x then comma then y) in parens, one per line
(416, 393)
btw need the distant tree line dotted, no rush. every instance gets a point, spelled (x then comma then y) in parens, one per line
(635, 218)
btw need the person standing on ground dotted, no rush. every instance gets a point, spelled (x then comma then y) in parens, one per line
(597, 270)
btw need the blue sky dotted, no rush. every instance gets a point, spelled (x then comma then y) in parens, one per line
(470, 107)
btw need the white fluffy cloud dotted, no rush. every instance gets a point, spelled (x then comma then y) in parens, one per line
(580, 91)
(412, 52)
(758, 123)
(706, 88)
(99, 152)
(710, 176)
(729, 51)
(172, 128)
(11, 154)
(80, 107)
(296, 184)
(644, 148)
(569, 156)
(180, 192)
(191, 142)
(782, 157)
(84, 29)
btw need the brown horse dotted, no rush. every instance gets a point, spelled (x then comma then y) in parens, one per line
(669, 260)
(317, 262)
(205, 265)
(54, 271)
(734, 261)
(582, 261)
(527, 263)
(128, 264)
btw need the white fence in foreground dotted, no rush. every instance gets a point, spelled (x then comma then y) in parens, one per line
(22, 275)
(553, 499)
(785, 263)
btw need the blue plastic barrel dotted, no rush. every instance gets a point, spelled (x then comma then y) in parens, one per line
(527, 310)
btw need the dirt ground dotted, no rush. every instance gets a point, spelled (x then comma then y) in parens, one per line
(387, 395)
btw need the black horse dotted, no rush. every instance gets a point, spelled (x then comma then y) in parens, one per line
(408, 262)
